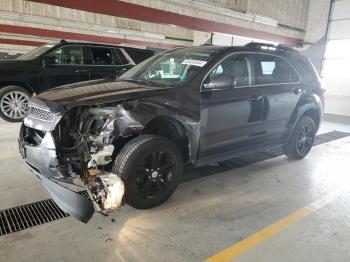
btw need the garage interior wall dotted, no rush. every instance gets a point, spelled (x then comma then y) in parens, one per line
(246, 20)
(336, 61)
(278, 18)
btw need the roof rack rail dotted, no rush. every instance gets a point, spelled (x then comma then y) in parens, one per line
(270, 47)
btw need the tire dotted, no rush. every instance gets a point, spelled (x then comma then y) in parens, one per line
(148, 164)
(13, 103)
(302, 139)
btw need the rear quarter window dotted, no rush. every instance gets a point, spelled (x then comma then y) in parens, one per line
(102, 56)
(306, 69)
(276, 70)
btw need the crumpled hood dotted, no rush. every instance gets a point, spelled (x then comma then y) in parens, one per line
(97, 92)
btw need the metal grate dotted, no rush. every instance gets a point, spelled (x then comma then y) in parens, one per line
(34, 214)
(40, 113)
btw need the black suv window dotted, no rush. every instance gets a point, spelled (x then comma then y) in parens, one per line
(69, 55)
(102, 56)
(238, 70)
(275, 70)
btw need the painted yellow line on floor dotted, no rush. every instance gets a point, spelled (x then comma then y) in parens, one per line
(241, 247)
(250, 242)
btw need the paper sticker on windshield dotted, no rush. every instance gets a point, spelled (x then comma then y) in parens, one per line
(194, 62)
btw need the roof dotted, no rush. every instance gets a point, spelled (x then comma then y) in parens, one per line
(253, 46)
(63, 42)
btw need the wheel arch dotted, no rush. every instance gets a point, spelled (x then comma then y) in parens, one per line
(310, 105)
(24, 85)
(172, 129)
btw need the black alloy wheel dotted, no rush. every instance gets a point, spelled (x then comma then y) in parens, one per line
(155, 174)
(151, 167)
(302, 139)
(305, 139)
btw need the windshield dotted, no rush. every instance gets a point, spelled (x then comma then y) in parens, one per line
(35, 52)
(169, 69)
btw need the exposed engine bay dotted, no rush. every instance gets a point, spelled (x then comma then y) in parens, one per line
(80, 147)
(75, 148)
(84, 145)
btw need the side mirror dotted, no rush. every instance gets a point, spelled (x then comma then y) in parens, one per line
(219, 82)
(49, 60)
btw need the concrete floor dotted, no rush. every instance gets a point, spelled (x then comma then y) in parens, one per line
(203, 217)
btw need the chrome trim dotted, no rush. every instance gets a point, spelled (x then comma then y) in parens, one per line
(256, 85)
(128, 57)
(40, 113)
(39, 123)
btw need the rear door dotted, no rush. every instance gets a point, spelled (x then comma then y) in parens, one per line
(69, 67)
(104, 62)
(281, 86)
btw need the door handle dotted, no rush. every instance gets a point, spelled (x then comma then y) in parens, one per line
(254, 98)
(81, 71)
(296, 90)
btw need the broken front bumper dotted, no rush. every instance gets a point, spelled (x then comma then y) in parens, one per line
(42, 160)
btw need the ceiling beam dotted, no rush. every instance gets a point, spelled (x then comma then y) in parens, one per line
(153, 15)
(8, 41)
(48, 33)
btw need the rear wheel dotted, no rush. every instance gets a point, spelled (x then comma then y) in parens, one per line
(302, 139)
(13, 103)
(151, 167)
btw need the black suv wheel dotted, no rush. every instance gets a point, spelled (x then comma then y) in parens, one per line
(302, 139)
(13, 103)
(151, 167)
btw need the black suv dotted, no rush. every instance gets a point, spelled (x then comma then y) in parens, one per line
(52, 65)
(129, 138)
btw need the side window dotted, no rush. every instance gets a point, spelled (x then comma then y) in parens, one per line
(276, 70)
(138, 55)
(69, 55)
(102, 56)
(234, 71)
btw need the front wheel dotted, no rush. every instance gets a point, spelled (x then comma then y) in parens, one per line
(13, 103)
(302, 139)
(151, 168)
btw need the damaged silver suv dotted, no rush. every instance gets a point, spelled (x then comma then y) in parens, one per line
(128, 139)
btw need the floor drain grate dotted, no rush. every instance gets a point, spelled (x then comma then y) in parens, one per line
(34, 214)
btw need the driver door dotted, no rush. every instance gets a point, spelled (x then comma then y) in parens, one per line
(232, 107)
(69, 67)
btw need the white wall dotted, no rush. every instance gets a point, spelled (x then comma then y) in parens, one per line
(336, 64)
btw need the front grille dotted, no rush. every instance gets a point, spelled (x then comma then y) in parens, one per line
(40, 113)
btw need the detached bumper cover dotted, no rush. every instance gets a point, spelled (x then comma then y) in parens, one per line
(41, 159)
(75, 204)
